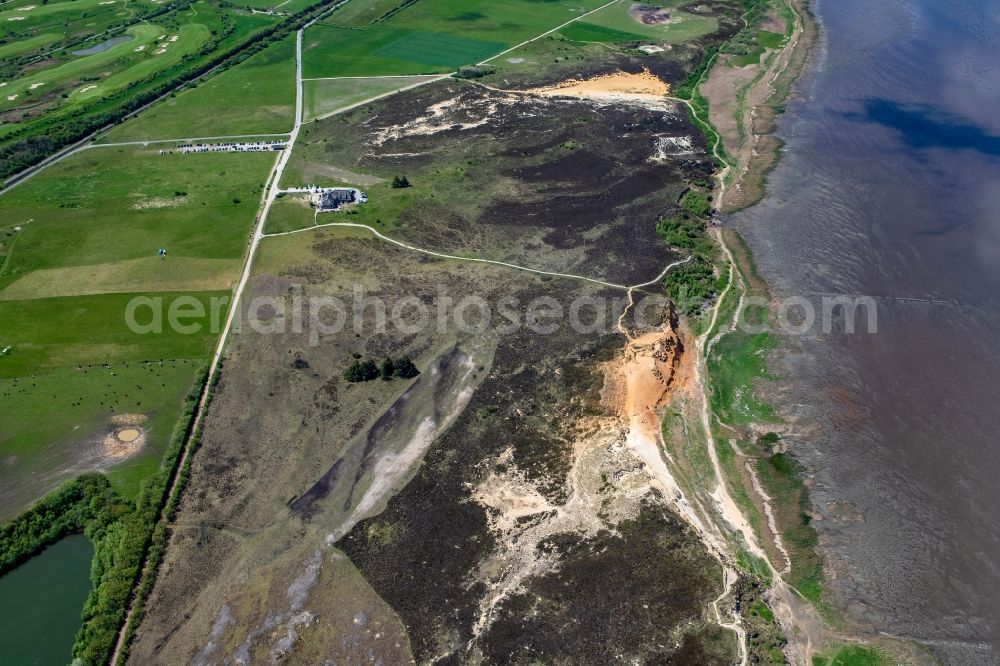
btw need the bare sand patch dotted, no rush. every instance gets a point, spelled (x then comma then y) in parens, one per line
(644, 83)
(155, 203)
(126, 438)
(643, 89)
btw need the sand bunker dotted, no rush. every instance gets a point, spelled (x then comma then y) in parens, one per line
(36, 85)
(141, 47)
(174, 38)
(26, 8)
(16, 18)
(91, 87)
(649, 14)
(11, 98)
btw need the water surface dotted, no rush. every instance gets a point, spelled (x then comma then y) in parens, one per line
(103, 46)
(40, 604)
(890, 187)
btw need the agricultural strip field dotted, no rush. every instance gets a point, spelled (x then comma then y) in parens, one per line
(84, 244)
(255, 96)
(441, 36)
(326, 96)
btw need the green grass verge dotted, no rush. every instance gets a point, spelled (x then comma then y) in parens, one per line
(290, 212)
(852, 655)
(735, 366)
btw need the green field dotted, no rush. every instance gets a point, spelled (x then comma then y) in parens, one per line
(432, 36)
(81, 254)
(254, 97)
(361, 13)
(581, 31)
(108, 205)
(682, 27)
(326, 96)
(439, 50)
(329, 51)
(290, 212)
(69, 331)
(40, 414)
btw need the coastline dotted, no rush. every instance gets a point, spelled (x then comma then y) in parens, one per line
(759, 478)
(758, 472)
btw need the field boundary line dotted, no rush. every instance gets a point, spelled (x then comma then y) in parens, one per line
(380, 76)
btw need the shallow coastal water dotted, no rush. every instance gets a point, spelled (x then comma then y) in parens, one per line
(890, 188)
(41, 602)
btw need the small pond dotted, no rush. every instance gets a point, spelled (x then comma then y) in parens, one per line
(40, 604)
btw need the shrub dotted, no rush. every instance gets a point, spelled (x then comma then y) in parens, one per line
(404, 368)
(361, 371)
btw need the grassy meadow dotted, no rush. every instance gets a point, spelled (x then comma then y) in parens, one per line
(83, 245)
(256, 96)
(326, 96)
(615, 24)
(107, 205)
(290, 212)
(50, 420)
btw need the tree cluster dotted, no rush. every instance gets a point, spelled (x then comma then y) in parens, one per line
(364, 370)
